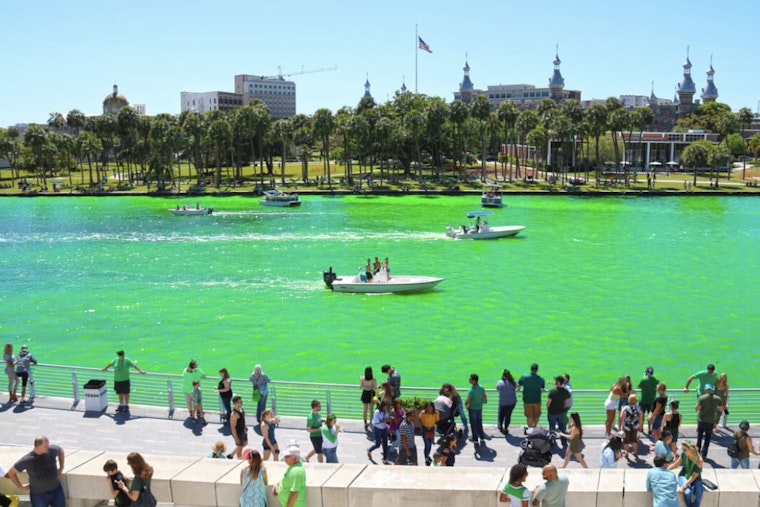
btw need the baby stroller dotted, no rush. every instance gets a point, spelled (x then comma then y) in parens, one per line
(446, 423)
(537, 447)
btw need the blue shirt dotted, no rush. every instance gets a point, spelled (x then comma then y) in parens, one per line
(662, 449)
(663, 485)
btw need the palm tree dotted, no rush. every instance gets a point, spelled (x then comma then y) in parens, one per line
(89, 146)
(458, 114)
(436, 113)
(34, 139)
(192, 122)
(10, 148)
(56, 121)
(220, 135)
(596, 120)
(508, 115)
(75, 119)
(480, 110)
(745, 116)
(526, 121)
(323, 127)
(283, 131)
(302, 139)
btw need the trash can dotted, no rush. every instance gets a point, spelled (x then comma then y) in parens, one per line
(95, 396)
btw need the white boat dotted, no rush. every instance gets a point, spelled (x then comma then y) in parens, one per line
(189, 210)
(381, 283)
(491, 197)
(278, 198)
(482, 229)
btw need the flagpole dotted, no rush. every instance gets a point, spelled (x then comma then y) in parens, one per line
(416, 37)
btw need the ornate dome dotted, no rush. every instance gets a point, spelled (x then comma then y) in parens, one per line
(114, 101)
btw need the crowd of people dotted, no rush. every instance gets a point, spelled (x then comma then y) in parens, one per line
(630, 407)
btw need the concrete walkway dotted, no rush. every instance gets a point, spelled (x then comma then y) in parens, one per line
(150, 430)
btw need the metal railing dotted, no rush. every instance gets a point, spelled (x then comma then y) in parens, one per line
(294, 398)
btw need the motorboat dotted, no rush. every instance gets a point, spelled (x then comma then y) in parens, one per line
(381, 283)
(189, 210)
(279, 198)
(482, 229)
(491, 197)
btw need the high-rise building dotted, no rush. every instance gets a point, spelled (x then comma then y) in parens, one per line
(278, 94)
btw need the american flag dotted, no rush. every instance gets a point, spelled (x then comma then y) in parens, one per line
(424, 46)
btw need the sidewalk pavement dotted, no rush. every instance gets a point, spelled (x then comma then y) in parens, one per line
(150, 430)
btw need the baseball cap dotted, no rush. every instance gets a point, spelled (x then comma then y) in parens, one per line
(292, 450)
(744, 425)
(708, 386)
(650, 370)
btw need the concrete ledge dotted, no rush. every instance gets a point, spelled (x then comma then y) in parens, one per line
(426, 486)
(204, 482)
(737, 487)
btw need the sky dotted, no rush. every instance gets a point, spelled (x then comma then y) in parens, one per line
(58, 56)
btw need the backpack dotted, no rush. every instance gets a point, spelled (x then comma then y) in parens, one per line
(733, 448)
(632, 417)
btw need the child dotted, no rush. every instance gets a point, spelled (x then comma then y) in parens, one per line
(114, 478)
(437, 459)
(268, 424)
(218, 450)
(428, 420)
(198, 402)
(671, 422)
(576, 440)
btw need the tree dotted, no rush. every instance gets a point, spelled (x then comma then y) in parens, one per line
(75, 119)
(525, 123)
(220, 135)
(508, 115)
(596, 121)
(35, 138)
(192, 122)
(283, 131)
(480, 109)
(754, 145)
(697, 155)
(324, 125)
(88, 146)
(745, 116)
(458, 113)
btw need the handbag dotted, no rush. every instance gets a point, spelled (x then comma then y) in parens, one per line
(256, 396)
(146, 499)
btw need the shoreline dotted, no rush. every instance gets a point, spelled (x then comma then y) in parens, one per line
(400, 193)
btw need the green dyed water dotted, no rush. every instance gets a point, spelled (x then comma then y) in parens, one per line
(596, 287)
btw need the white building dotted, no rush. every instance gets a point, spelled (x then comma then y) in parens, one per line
(210, 101)
(278, 94)
(139, 109)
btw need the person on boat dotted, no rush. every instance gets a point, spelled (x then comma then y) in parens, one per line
(376, 266)
(465, 230)
(368, 270)
(387, 269)
(477, 224)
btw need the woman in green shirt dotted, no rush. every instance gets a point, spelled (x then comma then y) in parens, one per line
(143, 474)
(690, 476)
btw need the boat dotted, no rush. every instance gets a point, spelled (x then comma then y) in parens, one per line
(491, 197)
(381, 283)
(482, 229)
(279, 198)
(189, 210)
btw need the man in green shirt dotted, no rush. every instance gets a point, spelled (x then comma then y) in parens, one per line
(704, 377)
(121, 366)
(709, 406)
(648, 387)
(476, 396)
(532, 385)
(314, 427)
(291, 490)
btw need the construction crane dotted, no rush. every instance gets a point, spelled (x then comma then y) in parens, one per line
(282, 75)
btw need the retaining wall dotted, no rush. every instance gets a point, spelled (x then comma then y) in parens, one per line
(203, 482)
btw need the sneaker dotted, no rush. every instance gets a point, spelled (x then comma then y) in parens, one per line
(482, 442)
(126, 408)
(119, 408)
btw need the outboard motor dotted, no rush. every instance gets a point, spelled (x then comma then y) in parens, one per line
(210, 211)
(329, 277)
